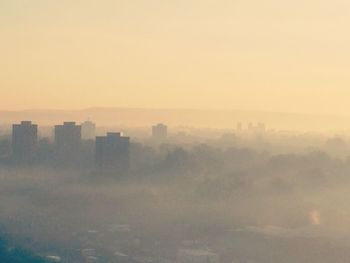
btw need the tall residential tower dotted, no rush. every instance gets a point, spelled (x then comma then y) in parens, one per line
(24, 141)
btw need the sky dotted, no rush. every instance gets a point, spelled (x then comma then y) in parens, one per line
(271, 55)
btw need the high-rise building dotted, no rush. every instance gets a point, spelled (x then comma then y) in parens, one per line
(261, 128)
(159, 131)
(24, 141)
(88, 130)
(250, 127)
(68, 140)
(239, 126)
(112, 152)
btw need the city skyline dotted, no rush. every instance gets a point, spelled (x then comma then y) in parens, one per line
(186, 131)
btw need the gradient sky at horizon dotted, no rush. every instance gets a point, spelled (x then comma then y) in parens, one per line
(290, 55)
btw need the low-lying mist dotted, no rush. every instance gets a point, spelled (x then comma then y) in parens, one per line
(216, 198)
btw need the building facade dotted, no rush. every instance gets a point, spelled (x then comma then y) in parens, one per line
(24, 141)
(88, 130)
(68, 141)
(159, 131)
(112, 152)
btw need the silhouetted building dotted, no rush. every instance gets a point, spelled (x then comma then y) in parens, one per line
(261, 128)
(112, 152)
(250, 127)
(159, 131)
(68, 141)
(24, 141)
(239, 126)
(88, 130)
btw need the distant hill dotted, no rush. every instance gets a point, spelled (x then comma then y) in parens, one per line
(182, 117)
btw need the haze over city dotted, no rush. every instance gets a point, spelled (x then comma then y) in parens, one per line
(187, 131)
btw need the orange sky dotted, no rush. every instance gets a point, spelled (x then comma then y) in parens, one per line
(290, 55)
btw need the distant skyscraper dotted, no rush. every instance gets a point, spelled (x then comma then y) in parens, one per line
(112, 152)
(261, 127)
(24, 140)
(250, 126)
(68, 140)
(88, 130)
(159, 131)
(239, 126)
